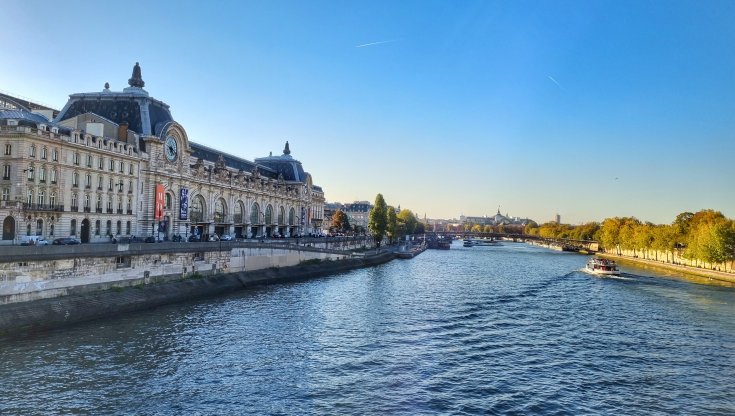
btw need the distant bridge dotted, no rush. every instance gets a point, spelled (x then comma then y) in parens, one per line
(565, 244)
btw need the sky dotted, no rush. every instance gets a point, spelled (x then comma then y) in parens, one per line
(590, 109)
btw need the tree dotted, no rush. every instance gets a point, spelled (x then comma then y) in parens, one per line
(340, 221)
(477, 228)
(378, 219)
(711, 238)
(610, 233)
(420, 228)
(391, 227)
(408, 221)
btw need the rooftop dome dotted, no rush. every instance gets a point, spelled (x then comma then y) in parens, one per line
(132, 105)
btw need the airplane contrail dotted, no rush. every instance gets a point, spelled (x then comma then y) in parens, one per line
(376, 43)
(555, 82)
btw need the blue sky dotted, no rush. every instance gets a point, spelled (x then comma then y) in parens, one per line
(591, 109)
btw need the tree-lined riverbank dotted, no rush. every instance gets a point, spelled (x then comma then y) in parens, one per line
(702, 240)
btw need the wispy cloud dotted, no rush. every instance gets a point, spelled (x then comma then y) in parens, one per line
(376, 43)
(555, 82)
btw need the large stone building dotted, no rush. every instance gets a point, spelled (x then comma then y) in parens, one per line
(115, 164)
(357, 213)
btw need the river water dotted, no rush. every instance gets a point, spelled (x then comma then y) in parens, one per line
(481, 330)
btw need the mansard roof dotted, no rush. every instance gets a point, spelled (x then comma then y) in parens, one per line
(286, 165)
(208, 154)
(132, 105)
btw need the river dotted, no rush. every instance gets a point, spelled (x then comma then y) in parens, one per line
(480, 330)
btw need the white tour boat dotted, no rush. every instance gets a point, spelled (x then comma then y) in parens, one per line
(600, 266)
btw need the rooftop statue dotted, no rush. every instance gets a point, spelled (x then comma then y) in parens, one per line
(286, 150)
(137, 79)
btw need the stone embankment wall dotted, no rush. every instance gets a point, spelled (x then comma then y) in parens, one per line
(85, 302)
(673, 258)
(31, 273)
(724, 272)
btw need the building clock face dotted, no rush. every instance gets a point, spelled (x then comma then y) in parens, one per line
(171, 148)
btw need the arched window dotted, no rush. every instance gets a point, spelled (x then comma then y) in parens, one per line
(197, 210)
(73, 227)
(220, 208)
(97, 227)
(127, 228)
(169, 201)
(39, 227)
(239, 211)
(119, 227)
(291, 216)
(41, 197)
(255, 214)
(52, 199)
(269, 214)
(281, 216)
(30, 197)
(109, 228)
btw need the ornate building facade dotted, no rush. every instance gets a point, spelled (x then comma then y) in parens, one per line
(115, 164)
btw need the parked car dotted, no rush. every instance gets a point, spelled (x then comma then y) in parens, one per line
(33, 240)
(66, 241)
(226, 237)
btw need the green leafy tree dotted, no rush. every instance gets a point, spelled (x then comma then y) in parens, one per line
(711, 237)
(420, 228)
(391, 229)
(378, 219)
(408, 221)
(610, 234)
(664, 239)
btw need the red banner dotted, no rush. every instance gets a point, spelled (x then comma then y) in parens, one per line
(158, 209)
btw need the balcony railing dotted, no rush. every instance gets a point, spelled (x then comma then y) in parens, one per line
(87, 209)
(109, 210)
(119, 211)
(130, 211)
(43, 207)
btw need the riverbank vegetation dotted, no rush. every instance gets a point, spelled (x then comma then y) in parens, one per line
(386, 221)
(702, 239)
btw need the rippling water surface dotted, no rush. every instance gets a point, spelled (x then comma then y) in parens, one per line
(481, 330)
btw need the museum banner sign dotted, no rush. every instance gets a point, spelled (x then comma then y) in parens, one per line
(184, 204)
(160, 201)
